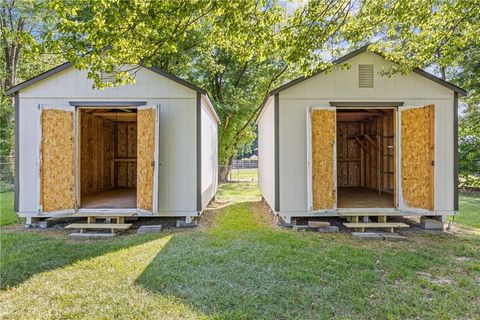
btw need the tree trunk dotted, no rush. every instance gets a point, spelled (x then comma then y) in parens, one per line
(224, 170)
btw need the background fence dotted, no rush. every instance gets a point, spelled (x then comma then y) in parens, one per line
(244, 164)
(241, 171)
(7, 173)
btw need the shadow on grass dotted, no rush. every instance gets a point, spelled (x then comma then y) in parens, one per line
(24, 254)
(241, 268)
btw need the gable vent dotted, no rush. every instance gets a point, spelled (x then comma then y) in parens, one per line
(108, 76)
(365, 75)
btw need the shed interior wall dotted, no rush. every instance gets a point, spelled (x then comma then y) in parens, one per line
(357, 155)
(366, 157)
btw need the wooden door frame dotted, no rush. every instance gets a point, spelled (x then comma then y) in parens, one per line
(79, 106)
(396, 154)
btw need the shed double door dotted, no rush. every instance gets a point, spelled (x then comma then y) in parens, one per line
(57, 187)
(417, 157)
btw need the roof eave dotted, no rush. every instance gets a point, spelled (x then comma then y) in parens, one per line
(11, 91)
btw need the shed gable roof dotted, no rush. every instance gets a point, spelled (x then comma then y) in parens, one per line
(67, 65)
(355, 53)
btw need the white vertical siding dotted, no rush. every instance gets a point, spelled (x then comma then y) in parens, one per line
(29, 128)
(266, 153)
(209, 155)
(342, 85)
(177, 174)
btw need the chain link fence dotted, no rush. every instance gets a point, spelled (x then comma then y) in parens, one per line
(240, 171)
(7, 173)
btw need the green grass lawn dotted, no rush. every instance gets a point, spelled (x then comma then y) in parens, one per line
(244, 174)
(239, 267)
(469, 214)
(238, 192)
(7, 215)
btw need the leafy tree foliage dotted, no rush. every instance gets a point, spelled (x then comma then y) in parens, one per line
(469, 143)
(21, 23)
(237, 50)
(439, 34)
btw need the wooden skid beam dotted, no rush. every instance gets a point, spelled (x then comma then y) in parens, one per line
(376, 225)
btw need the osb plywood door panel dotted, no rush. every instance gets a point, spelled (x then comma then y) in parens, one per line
(323, 142)
(417, 148)
(145, 158)
(57, 161)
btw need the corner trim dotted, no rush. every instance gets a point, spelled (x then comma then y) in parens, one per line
(277, 150)
(199, 151)
(16, 200)
(366, 103)
(455, 151)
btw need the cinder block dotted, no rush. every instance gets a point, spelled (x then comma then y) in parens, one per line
(367, 235)
(318, 224)
(149, 229)
(44, 224)
(328, 229)
(304, 228)
(184, 224)
(430, 224)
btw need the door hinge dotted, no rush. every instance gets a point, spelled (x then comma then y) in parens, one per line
(433, 162)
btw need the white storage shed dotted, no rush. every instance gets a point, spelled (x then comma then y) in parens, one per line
(352, 140)
(148, 148)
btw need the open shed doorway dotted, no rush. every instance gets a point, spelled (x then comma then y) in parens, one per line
(108, 158)
(366, 158)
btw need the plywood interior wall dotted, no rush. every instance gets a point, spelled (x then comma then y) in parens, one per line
(96, 150)
(417, 126)
(126, 154)
(146, 158)
(108, 153)
(366, 149)
(323, 142)
(57, 160)
(348, 154)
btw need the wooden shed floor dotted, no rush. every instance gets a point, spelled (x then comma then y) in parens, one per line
(353, 197)
(114, 198)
